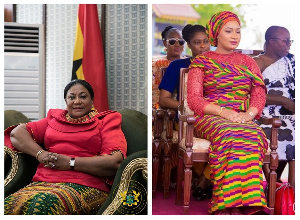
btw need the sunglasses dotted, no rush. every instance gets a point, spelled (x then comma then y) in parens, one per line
(172, 41)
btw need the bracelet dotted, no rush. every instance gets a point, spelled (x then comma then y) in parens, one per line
(38, 154)
(221, 110)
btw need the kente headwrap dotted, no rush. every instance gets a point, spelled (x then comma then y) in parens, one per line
(215, 24)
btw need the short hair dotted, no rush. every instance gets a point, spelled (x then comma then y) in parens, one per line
(271, 31)
(189, 31)
(83, 83)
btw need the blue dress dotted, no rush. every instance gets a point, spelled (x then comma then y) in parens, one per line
(170, 80)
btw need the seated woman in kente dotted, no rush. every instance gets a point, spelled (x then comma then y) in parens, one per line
(226, 91)
(82, 152)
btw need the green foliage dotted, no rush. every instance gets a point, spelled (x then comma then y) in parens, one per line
(206, 11)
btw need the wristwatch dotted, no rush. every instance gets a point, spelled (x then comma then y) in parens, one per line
(72, 163)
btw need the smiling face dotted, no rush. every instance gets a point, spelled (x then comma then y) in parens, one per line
(229, 37)
(78, 101)
(175, 49)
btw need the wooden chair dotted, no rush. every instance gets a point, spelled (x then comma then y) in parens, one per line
(193, 149)
(164, 147)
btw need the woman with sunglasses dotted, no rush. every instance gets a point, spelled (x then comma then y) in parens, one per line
(173, 42)
(226, 91)
(197, 41)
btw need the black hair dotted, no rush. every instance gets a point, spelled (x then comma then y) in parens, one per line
(271, 31)
(166, 31)
(82, 82)
(189, 31)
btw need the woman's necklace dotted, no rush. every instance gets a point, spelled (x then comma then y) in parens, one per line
(83, 118)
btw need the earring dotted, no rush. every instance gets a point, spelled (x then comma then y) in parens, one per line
(93, 108)
(165, 49)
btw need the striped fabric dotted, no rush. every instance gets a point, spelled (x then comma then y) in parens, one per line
(236, 156)
(40, 198)
(237, 150)
(215, 24)
(233, 81)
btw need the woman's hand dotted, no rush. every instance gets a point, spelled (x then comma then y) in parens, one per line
(54, 160)
(233, 116)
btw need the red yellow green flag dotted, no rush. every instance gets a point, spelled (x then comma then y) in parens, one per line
(88, 58)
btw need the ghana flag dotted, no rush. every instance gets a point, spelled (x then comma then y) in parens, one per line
(88, 59)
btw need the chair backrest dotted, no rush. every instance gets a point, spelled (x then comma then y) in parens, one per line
(251, 53)
(134, 127)
(183, 109)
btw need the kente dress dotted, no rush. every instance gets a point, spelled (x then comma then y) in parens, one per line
(237, 150)
(68, 192)
(157, 64)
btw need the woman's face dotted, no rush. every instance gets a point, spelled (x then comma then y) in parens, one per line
(199, 43)
(78, 101)
(175, 49)
(229, 36)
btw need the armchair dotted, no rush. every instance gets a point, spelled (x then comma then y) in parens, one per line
(20, 168)
(164, 146)
(192, 149)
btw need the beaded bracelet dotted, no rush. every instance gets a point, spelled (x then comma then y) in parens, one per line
(38, 153)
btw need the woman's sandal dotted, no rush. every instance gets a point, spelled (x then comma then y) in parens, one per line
(222, 212)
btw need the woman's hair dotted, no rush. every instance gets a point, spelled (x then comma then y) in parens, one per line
(82, 82)
(189, 31)
(166, 31)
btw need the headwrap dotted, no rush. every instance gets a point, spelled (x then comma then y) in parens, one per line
(215, 24)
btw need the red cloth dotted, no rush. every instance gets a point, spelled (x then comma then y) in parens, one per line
(100, 135)
(195, 79)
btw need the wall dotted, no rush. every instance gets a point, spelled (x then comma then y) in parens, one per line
(125, 51)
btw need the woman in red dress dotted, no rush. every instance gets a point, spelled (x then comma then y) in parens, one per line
(82, 150)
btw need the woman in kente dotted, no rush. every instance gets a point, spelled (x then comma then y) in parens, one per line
(197, 40)
(226, 91)
(173, 42)
(82, 150)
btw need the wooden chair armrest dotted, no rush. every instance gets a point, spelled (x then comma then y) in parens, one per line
(158, 123)
(275, 122)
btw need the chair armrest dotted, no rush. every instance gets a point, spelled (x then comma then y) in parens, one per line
(131, 175)
(19, 168)
(158, 122)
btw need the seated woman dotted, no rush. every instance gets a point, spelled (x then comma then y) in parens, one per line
(173, 42)
(197, 41)
(226, 91)
(82, 152)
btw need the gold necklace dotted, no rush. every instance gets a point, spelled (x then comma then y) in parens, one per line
(83, 118)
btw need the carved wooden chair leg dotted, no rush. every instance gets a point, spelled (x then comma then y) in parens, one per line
(167, 152)
(179, 180)
(156, 148)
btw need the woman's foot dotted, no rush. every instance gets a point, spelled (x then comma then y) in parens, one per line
(222, 212)
(235, 211)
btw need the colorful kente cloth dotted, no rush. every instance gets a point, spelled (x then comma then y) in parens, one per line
(227, 84)
(215, 24)
(157, 64)
(237, 150)
(41, 198)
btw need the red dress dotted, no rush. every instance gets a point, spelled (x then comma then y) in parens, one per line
(100, 135)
